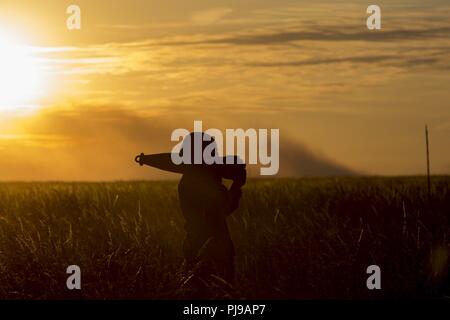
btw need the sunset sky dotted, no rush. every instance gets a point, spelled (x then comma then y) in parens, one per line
(79, 105)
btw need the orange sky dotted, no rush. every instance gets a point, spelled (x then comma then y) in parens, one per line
(346, 100)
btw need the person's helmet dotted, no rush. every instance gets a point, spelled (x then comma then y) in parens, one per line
(191, 142)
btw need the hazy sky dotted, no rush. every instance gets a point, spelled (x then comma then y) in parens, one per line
(345, 99)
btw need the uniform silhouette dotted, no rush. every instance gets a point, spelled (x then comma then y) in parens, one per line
(205, 203)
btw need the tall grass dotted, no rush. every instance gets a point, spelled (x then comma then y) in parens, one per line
(295, 238)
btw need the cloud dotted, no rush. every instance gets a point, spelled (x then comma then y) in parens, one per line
(299, 160)
(95, 143)
(210, 16)
(385, 60)
(40, 140)
(315, 61)
(296, 159)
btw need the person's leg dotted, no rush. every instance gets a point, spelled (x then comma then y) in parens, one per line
(225, 267)
(194, 239)
(222, 248)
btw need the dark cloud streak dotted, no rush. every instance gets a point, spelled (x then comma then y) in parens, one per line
(385, 60)
(330, 34)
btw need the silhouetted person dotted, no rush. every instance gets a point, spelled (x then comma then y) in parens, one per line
(205, 203)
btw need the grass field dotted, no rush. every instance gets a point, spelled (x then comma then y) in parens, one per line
(295, 238)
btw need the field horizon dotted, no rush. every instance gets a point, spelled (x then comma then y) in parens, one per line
(176, 178)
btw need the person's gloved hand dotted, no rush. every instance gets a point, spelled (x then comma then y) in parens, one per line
(241, 178)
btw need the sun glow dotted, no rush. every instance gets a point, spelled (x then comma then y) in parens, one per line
(21, 76)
